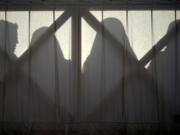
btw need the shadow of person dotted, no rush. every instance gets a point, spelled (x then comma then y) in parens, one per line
(103, 70)
(50, 71)
(8, 42)
(166, 63)
(9, 38)
(31, 92)
(108, 91)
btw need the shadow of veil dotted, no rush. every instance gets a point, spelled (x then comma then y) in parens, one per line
(50, 71)
(111, 87)
(166, 65)
(102, 72)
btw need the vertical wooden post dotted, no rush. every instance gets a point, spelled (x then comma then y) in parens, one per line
(76, 59)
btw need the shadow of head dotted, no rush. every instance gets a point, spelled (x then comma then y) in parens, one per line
(114, 26)
(38, 33)
(8, 36)
(174, 25)
(171, 36)
(116, 35)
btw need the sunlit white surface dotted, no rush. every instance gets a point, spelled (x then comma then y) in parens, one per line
(140, 34)
(40, 19)
(97, 14)
(63, 35)
(178, 14)
(2, 27)
(21, 19)
(87, 37)
(161, 21)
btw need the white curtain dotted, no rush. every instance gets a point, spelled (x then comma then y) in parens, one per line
(122, 67)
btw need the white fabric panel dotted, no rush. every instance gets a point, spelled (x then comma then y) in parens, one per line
(16, 89)
(22, 22)
(112, 88)
(87, 41)
(91, 78)
(63, 56)
(42, 68)
(140, 96)
(165, 62)
(140, 32)
(112, 66)
(178, 15)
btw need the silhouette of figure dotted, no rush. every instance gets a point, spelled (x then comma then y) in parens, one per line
(166, 64)
(32, 92)
(8, 39)
(109, 91)
(50, 71)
